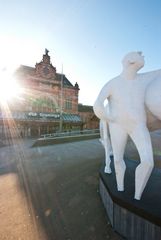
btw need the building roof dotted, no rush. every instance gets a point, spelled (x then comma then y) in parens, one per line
(26, 71)
(45, 71)
(85, 108)
(66, 82)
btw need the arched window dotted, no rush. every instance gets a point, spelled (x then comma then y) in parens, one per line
(42, 104)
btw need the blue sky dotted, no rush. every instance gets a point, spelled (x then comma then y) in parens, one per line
(89, 37)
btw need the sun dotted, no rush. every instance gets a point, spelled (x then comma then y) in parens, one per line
(9, 88)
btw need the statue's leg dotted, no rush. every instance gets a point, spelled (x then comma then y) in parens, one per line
(101, 131)
(107, 146)
(142, 140)
(119, 140)
(109, 142)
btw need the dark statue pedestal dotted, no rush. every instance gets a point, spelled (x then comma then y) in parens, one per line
(133, 219)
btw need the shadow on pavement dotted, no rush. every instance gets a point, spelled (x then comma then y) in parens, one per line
(62, 184)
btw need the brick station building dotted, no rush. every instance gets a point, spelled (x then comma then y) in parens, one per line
(89, 119)
(48, 104)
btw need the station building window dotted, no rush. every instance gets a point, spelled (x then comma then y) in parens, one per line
(68, 104)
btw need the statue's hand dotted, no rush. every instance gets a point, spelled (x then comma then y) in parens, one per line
(102, 113)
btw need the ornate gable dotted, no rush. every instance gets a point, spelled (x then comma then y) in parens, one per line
(45, 69)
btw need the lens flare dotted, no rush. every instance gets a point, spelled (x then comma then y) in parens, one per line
(9, 88)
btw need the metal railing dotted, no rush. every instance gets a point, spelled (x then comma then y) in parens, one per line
(70, 133)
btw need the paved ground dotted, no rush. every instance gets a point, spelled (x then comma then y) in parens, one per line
(51, 192)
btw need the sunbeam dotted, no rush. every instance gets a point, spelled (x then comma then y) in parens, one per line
(9, 88)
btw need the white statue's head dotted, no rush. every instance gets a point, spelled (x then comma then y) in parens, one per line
(133, 60)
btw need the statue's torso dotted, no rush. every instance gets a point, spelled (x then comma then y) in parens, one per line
(130, 98)
(127, 101)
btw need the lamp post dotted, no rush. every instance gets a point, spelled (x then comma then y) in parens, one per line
(61, 102)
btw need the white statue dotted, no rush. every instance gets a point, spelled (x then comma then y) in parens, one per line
(134, 102)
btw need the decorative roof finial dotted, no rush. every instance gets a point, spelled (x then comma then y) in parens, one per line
(76, 85)
(46, 51)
